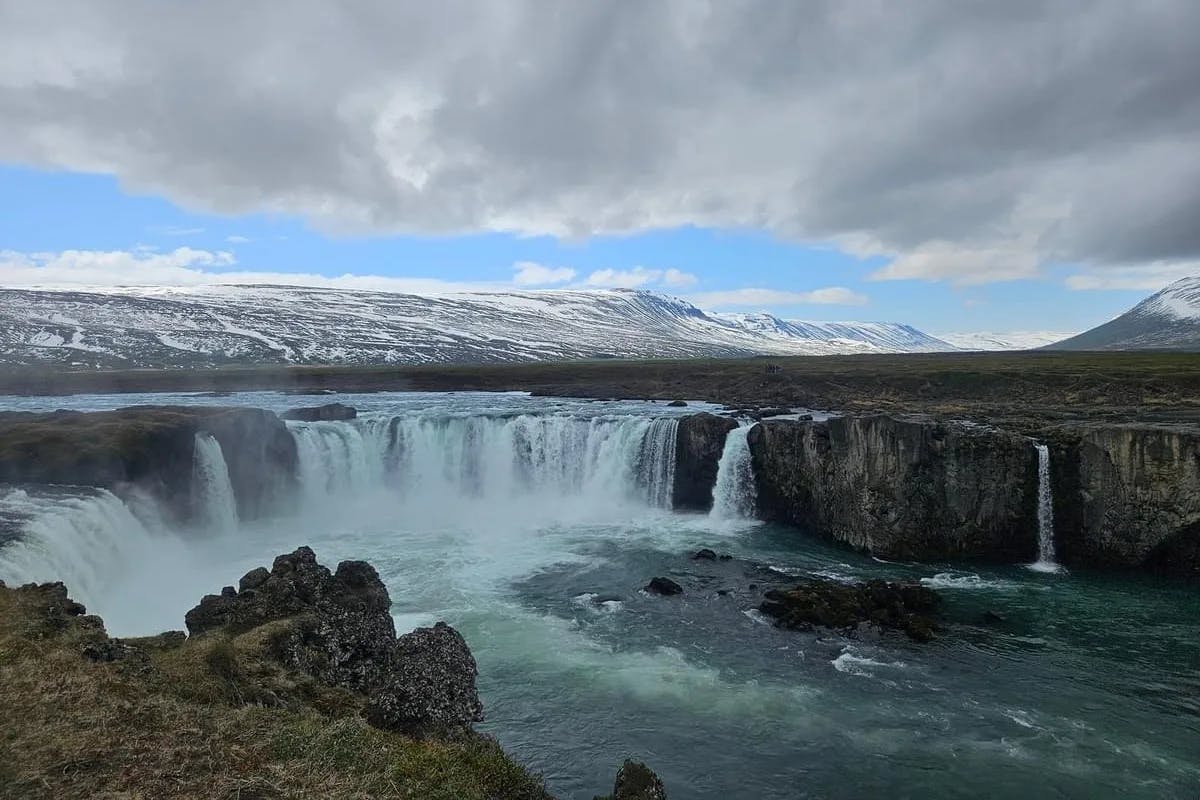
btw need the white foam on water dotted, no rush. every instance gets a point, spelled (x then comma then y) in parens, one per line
(851, 663)
(951, 580)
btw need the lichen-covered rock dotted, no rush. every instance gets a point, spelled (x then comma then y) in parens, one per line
(337, 628)
(897, 606)
(698, 446)
(901, 487)
(636, 781)
(330, 412)
(430, 688)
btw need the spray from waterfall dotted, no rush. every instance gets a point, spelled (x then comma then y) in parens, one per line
(216, 504)
(1045, 515)
(735, 493)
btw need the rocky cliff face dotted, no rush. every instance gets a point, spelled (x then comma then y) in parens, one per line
(151, 448)
(901, 488)
(698, 446)
(1127, 496)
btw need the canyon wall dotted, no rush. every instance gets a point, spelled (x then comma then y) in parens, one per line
(901, 488)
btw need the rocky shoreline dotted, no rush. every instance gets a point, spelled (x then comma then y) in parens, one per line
(245, 704)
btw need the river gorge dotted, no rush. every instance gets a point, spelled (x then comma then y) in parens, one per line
(1069, 652)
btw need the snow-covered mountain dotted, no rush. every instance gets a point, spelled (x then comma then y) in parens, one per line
(1166, 320)
(1010, 340)
(214, 325)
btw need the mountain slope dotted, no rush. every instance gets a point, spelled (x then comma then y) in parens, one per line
(216, 325)
(1167, 320)
(1009, 340)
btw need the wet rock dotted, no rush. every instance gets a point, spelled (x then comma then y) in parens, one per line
(705, 554)
(330, 412)
(430, 689)
(677, 404)
(698, 445)
(765, 413)
(896, 606)
(724, 557)
(636, 781)
(993, 616)
(663, 586)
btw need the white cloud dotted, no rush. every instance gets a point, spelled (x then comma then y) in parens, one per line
(833, 295)
(946, 261)
(430, 118)
(633, 278)
(529, 273)
(1148, 278)
(677, 278)
(237, 239)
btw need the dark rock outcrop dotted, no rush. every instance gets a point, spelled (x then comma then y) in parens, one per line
(1127, 496)
(338, 629)
(896, 606)
(663, 586)
(330, 412)
(636, 781)
(698, 446)
(151, 448)
(901, 487)
(705, 554)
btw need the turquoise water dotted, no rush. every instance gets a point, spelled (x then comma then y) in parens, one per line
(1089, 687)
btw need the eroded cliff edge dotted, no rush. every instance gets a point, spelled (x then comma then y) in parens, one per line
(901, 488)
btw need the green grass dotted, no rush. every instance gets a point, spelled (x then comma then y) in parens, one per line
(208, 718)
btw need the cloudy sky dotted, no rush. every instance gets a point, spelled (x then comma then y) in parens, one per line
(956, 165)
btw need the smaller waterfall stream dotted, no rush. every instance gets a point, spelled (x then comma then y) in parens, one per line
(1045, 515)
(735, 495)
(216, 504)
(657, 471)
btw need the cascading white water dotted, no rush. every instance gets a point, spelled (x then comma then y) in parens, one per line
(444, 458)
(1045, 515)
(735, 494)
(85, 540)
(658, 462)
(216, 505)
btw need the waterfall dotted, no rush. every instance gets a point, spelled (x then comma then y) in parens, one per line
(87, 540)
(448, 457)
(215, 501)
(735, 494)
(657, 468)
(1045, 515)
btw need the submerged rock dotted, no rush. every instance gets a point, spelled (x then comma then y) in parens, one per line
(330, 412)
(664, 586)
(705, 554)
(898, 606)
(338, 629)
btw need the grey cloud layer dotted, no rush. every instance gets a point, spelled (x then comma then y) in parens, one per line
(970, 140)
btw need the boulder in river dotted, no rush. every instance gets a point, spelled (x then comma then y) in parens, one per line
(664, 586)
(898, 606)
(636, 781)
(705, 554)
(330, 412)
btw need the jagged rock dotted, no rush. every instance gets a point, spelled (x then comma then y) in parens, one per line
(898, 606)
(339, 630)
(705, 554)
(698, 446)
(431, 686)
(330, 412)
(664, 586)
(636, 781)
(910, 488)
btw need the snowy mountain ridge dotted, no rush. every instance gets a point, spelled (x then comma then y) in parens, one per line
(1166, 320)
(217, 325)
